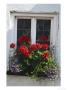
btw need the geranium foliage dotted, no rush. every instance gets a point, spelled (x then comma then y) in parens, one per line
(35, 59)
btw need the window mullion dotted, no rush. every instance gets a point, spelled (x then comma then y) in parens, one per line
(33, 30)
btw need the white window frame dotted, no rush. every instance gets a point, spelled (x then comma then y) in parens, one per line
(33, 16)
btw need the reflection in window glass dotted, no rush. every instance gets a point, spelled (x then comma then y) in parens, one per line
(43, 31)
(23, 27)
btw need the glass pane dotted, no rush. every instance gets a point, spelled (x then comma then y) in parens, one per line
(23, 28)
(43, 31)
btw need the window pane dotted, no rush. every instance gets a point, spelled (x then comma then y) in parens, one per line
(23, 27)
(43, 31)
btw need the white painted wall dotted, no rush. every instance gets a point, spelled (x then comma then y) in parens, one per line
(33, 8)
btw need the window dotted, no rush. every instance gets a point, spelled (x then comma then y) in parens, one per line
(42, 29)
(23, 27)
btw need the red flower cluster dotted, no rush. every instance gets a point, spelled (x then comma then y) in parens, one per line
(43, 37)
(45, 55)
(35, 46)
(38, 46)
(45, 46)
(23, 38)
(12, 45)
(24, 50)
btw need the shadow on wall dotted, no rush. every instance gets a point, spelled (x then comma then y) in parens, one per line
(46, 8)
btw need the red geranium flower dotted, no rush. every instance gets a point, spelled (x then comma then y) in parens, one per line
(39, 46)
(45, 55)
(12, 45)
(43, 37)
(45, 46)
(24, 50)
(35, 46)
(23, 38)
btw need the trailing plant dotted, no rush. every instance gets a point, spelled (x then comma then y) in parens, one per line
(47, 68)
